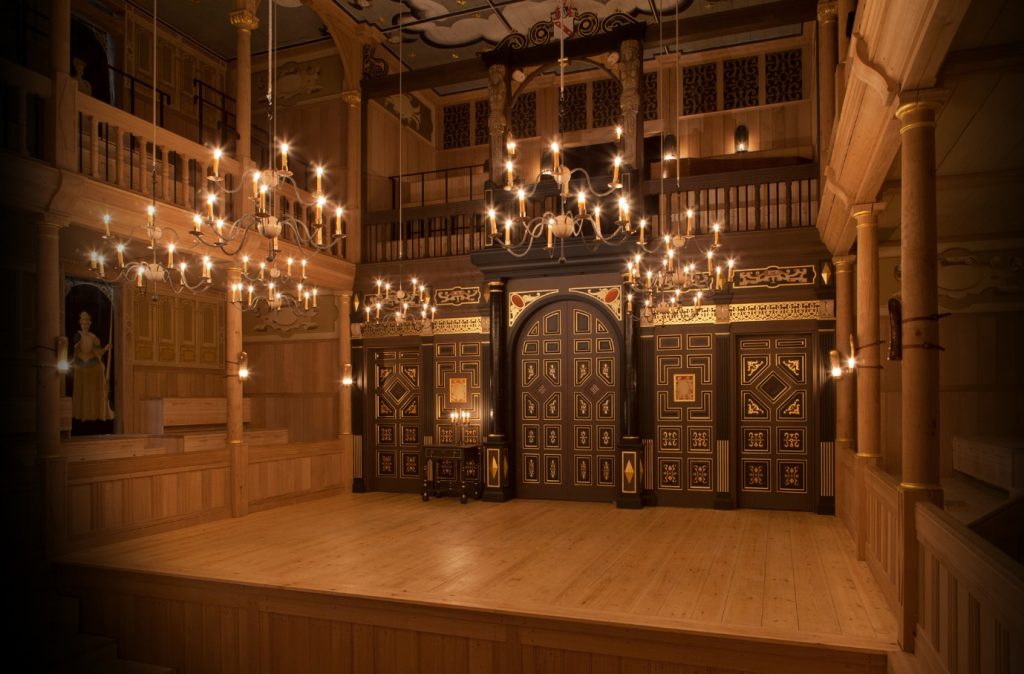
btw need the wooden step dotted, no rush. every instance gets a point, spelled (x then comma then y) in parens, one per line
(115, 446)
(203, 441)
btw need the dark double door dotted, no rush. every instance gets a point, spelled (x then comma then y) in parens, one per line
(566, 404)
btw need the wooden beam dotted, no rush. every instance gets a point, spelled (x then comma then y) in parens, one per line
(733, 21)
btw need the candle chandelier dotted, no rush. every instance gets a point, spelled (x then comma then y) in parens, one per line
(150, 269)
(394, 304)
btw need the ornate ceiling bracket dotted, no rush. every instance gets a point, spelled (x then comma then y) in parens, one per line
(870, 73)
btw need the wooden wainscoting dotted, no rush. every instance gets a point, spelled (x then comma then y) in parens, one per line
(198, 625)
(970, 616)
(102, 500)
(882, 548)
(289, 473)
(846, 486)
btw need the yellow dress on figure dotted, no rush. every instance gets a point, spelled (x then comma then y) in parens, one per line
(90, 400)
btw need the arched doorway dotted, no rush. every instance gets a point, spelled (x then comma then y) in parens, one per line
(567, 374)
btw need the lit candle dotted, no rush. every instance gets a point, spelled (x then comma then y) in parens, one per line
(216, 162)
(270, 292)
(551, 241)
(220, 226)
(303, 270)
(102, 261)
(106, 226)
(197, 223)
(718, 277)
(251, 289)
(170, 255)
(138, 276)
(207, 265)
(509, 175)
(255, 184)
(511, 147)
(581, 202)
(629, 272)
(245, 264)
(554, 157)
(650, 278)
(387, 290)
(263, 267)
(731, 263)
(616, 165)
(697, 298)
(671, 260)
(337, 220)
(284, 156)
(689, 222)
(492, 219)
(321, 201)
(618, 132)
(290, 262)
(508, 232)
(629, 303)
(319, 179)
(624, 211)
(643, 228)
(522, 203)
(120, 255)
(275, 245)
(305, 298)
(211, 199)
(315, 292)
(717, 228)
(378, 311)
(367, 312)
(711, 262)
(150, 214)
(668, 244)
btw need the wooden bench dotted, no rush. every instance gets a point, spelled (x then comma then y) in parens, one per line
(159, 415)
(995, 461)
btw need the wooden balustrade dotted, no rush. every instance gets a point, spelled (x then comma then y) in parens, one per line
(429, 232)
(970, 617)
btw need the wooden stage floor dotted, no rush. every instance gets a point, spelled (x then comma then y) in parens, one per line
(770, 574)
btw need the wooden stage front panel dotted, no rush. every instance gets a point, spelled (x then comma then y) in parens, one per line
(525, 586)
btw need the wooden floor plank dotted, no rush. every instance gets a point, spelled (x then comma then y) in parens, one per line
(784, 575)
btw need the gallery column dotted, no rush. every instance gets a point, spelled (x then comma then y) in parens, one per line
(245, 22)
(867, 354)
(345, 392)
(498, 482)
(630, 452)
(497, 118)
(846, 398)
(919, 383)
(237, 448)
(827, 59)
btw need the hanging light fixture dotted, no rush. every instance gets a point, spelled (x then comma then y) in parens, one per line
(266, 219)
(153, 268)
(394, 302)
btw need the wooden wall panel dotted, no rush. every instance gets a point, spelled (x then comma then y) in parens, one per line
(280, 475)
(203, 626)
(295, 385)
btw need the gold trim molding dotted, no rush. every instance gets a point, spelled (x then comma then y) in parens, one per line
(467, 325)
(803, 310)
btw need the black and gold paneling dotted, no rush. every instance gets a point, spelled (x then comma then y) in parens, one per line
(566, 403)
(684, 442)
(396, 409)
(774, 421)
(458, 364)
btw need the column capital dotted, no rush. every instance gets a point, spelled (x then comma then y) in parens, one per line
(52, 219)
(496, 285)
(866, 214)
(844, 263)
(243, 19)
(827, 11)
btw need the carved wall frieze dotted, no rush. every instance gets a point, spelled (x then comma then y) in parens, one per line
(817, 310)
(467, 325)
(774, 277)
(457, 296)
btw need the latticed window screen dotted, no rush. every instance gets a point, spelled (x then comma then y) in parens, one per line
(649, 102)
(739, 83)
(524, 115)
(783, 76)
(456, 126)
(700, 89)
(606, 96)
(572, 110)
(481, 112)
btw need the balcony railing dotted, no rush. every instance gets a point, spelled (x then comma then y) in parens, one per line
(741, 201)
(438, 186)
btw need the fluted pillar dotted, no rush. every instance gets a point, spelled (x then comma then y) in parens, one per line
(919, 381)
(827, 60)
(846, 398)
(245, 22)
(233, 392)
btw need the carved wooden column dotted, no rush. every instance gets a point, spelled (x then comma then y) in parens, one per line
(630, 452)
(497, 120)
(345, 392)
(920, 367)
(630, 63)
(498, 482)
(869, 372)
(236, 445)
(353, 163)
(827, 59)
(48, 330)
(846, 399)
(245, 21)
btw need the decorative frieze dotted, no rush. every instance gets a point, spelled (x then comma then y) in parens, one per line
(457, 296)
(816, 310)
(774, 277)
(467, 325)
